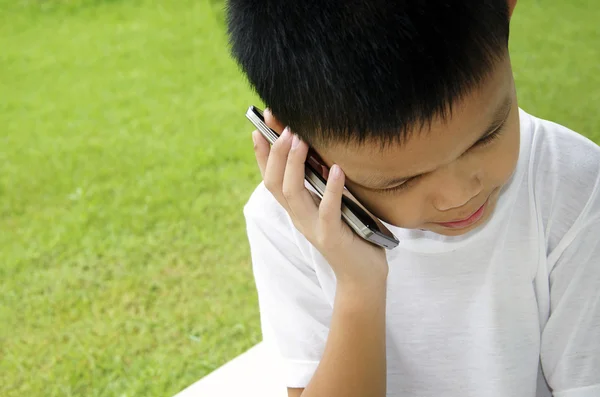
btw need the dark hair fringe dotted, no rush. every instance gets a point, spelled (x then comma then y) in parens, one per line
(347, 71)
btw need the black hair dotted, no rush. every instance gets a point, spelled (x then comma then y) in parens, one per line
(353, 71)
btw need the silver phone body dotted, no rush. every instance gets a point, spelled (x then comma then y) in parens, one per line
(354, 214)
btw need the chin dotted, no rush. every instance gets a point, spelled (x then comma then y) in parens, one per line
(453, 232)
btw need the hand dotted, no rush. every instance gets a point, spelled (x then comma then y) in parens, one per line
(354, 260)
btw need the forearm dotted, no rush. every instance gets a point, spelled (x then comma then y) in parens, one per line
(354, 359)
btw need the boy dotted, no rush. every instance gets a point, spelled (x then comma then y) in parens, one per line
(494, 287)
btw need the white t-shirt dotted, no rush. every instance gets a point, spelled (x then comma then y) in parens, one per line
(509, 309)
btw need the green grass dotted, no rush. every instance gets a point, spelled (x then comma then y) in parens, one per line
(125, 161)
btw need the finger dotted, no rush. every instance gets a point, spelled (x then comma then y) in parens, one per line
(302, 207)
(275, 168)
(261, 151)
(330, 209)
(272, 122)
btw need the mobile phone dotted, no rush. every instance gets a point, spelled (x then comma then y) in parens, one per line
(354, 213)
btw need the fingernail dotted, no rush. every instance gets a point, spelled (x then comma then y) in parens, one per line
(295, 141)
(286, 132)
(336, 171)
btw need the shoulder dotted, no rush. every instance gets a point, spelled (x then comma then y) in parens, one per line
(265, 216)
(262, 207)
(558, 148)
(281, 255)
(564, 176)
(261, 203)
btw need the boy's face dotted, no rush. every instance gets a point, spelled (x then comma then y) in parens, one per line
(457, 175)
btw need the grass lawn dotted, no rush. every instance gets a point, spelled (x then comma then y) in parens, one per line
(125, 161)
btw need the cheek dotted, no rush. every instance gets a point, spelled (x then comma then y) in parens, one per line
(410, 209)
(501, 165)
(405, 210)
(506, 153)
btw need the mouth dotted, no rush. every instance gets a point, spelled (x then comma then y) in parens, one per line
(463, 223)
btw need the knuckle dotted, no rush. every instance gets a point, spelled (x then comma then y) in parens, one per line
(270, 185)
(321, 240)
(325, 240)
(298, 154)
(288, 193)
(324, 213)
(327, 235)
(277, 146)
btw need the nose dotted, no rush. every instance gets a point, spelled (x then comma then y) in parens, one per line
(457, 186)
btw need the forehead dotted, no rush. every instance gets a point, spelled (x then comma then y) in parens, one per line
(435, 144)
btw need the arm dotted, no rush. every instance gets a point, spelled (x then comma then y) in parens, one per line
(354, 360)
(322, 344)
(570, 349)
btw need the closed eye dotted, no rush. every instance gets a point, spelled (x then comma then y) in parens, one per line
(405, 185)
(483, 142)
(490, 138)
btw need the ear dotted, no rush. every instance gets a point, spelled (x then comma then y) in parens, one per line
(511, 6)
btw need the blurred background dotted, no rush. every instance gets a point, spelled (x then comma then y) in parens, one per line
(125, 161)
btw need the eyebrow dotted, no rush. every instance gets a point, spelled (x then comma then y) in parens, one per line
(500, 115)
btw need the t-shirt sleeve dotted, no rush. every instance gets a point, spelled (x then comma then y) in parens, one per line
(567, 182)
(570, 349)
(295, 315)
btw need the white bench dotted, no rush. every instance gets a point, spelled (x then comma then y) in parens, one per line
(251, 374)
